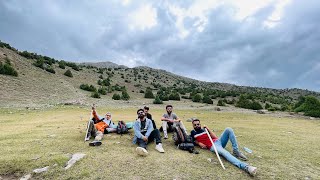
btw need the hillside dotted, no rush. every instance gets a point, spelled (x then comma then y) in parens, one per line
(38, 87)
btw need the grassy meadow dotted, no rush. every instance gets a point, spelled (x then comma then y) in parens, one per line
(283, 147)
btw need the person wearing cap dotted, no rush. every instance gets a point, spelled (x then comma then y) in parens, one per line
(149, 116)
(98, 126)
(170, 120)
(145, 134)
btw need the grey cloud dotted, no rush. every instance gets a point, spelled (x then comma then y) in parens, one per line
(227, 50)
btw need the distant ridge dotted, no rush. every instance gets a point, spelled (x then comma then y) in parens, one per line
(104, 64)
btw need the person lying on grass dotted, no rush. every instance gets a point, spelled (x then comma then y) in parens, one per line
(144, 134)
(98, 126)
(169, 121)
(201, 139)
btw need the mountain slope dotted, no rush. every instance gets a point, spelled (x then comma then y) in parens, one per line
(35, 86)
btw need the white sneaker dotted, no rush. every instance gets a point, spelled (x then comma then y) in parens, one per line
(159, 148)
(87, 139)
(141, 151)
(165, 136)
(251, 170)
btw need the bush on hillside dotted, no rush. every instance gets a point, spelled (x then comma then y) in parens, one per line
(7, 69)
(196, 98)
(102, 91)
(148, 94)
(125, 95)
(116, 96)
(207, 99)
(62, 64)
(243, 102)
(88, 87)
(95, 95)
(157, 100)
(310, 106)
(174, 96)
(68, 73)
(50, 69)
(221, 103)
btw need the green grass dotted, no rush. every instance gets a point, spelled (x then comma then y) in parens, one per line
(283, 148)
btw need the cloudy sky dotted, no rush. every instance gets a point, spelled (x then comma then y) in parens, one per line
(264, 43)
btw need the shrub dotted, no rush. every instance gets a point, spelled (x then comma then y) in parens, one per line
(116, 96)
(68, 73)
(95, 95)
(62, 64)
(125, 95)
(141, 91)
(157, 100)
(88, 87)
(39, 63)
(207, 99)
(221, 103)
(310, 106)
(50, 70)
(102, 91)
(174, 96)
(7, 69)
(196, 98)
(148, 94)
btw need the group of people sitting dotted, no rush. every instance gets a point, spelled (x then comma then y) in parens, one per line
(146, 132)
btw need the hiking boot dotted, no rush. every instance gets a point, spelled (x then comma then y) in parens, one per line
(159, 148)
(239, 155)
(251, 170)
(95, 143)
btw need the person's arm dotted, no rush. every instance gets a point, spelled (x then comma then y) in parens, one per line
(95, 115)
(136, 129)
(150, 128)
(176, 118)
(165, 118)
(213, 136)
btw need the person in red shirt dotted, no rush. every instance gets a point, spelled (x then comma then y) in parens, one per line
(200, 138)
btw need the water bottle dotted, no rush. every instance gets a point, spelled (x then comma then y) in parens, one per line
(247, 150)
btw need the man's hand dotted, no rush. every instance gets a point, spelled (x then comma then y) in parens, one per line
(145, 139)
(204, 126)
(93, 107)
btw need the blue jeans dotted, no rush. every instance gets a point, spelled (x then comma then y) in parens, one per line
(221, 144)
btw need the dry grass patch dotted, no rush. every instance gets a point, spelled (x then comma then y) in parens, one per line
(283, 148)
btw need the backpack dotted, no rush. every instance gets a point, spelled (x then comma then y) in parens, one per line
(122, 128)
(182, 140)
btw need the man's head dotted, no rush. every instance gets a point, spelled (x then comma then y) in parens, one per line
(140, 113)
(108, 116)
(196, 124)
(146, 109)
(169, 109)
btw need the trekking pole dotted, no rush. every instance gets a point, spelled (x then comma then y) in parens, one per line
(215, 149)
(87, 131)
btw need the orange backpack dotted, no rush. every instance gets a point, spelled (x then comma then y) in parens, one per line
(101, 126)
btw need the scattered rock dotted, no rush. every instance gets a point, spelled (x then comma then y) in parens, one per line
(261, 111)
(75, 157)
(52, 135)
(312, 118)
(36, 158)
(217, 109)
(40, 170)
(26, 177)
(10, 112)
(289, 132)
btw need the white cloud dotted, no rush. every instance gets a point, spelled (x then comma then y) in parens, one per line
(143, 18)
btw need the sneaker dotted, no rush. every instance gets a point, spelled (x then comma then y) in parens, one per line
(159, 148)
(141, 151)
(87, 139)
(239, 155)
(165, 136)
(251, 170)
(95, 143)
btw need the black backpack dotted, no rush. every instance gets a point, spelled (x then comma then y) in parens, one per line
(182, 140)
(122, 128)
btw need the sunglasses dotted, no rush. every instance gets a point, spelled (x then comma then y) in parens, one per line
(141, 112)
(198, 124)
